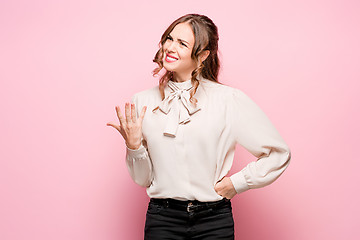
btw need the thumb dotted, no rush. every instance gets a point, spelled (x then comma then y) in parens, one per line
(113, 125)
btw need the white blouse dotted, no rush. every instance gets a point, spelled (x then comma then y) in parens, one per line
(186, 149)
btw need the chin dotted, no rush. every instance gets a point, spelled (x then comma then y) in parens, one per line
(170, 69)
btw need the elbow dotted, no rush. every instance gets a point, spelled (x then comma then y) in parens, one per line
(287, 156)
(143, 182)
(283, 159)
(263, 172)
(281, 156)
(144, 178)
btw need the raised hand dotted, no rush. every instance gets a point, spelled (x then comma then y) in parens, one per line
(130, 126)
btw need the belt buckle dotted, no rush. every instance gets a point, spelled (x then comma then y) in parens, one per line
(190, 204)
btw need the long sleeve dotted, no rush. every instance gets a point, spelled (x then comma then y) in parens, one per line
(139, 166)
(138, 161)
(188, 164)
(253, 130)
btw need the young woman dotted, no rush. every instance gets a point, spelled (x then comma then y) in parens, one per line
(182, 149)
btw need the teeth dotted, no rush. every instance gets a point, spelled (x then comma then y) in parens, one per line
(170, 58)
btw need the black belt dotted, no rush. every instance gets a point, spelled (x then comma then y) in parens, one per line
(190, 205)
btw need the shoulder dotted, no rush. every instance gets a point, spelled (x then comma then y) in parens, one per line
(220, 89)
(235, 99)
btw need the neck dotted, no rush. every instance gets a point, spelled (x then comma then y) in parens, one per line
(181, 78)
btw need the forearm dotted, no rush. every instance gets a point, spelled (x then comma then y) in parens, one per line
(264, 171)
(139, 166)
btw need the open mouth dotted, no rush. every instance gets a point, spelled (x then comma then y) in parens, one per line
(170, 58)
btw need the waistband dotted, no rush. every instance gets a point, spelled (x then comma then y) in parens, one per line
(190, 205)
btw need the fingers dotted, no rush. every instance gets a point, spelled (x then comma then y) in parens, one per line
(130, 114)
(127, 112)
(142, 114)
(121, 118)
(221, 179)
(133, 113)
(225, 188)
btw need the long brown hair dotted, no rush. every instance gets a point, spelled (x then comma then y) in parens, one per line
(206, 38)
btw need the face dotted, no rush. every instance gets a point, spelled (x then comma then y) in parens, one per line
(177, 52)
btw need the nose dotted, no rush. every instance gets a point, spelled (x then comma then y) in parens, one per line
(171, 47)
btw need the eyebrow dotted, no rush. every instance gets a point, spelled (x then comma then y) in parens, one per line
(179, 39)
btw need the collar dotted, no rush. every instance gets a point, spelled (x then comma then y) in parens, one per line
(177, 106)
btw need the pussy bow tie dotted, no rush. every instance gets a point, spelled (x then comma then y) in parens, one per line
(177, 107)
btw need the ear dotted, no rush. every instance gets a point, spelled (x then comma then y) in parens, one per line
(204, 55)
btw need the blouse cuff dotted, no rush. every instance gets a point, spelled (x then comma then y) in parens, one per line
(135, 154)
(239, 182)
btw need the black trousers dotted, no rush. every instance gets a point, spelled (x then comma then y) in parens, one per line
(179, 221)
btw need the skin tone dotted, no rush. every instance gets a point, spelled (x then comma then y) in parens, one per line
(225, 188)
(130, 126)
(179, 44)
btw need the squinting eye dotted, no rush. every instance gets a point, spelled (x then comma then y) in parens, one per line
(183, 44)
(168, 37)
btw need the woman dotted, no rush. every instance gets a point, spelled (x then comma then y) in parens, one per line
(182, 150)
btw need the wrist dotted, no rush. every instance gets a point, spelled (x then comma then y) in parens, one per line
(133, 146)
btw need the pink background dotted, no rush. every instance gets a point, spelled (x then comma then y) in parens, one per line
(64, 65)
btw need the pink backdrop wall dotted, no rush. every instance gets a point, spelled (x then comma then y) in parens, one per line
(64, 65)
